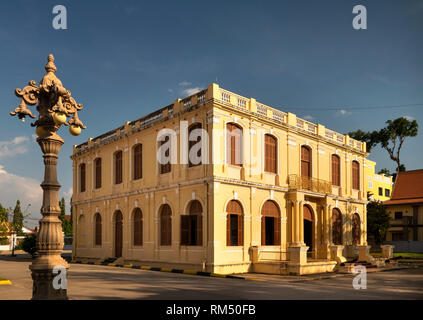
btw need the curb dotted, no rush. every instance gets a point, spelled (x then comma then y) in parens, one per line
(169, 270)
(5, 282)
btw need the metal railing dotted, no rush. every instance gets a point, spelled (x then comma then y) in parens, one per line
(297, 182)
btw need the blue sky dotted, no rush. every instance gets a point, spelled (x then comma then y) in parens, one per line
(124, 59)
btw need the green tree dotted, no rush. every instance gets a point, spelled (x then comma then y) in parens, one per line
(370, 138)
(392, 137)
(377, 221)
(18, 219)
(3, 225)
(384, 171)
(66, 224)
(28, 244)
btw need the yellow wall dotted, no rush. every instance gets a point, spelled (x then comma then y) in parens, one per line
(376, 181)
(214, 185)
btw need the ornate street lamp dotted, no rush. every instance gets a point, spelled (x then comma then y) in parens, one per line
(55, 104)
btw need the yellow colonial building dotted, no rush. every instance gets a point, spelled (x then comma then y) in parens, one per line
(378, 186)
(249, 189)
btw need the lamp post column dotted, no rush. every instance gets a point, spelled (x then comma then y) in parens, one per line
(50, 237)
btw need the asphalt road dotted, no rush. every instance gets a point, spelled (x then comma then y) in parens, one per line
(104, 282)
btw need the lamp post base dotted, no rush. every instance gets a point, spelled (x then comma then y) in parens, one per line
(43, 286)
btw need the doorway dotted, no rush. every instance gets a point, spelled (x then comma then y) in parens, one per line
(118, 234)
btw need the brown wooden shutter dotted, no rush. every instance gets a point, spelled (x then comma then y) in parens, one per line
(138, 162)
(263, 230)
(82, 177)
(277, 231)
(270, 154)
(308, 215)
(98, 173)
(165, 168)
(166, 226)
(234, 144)
(192, 143)
(185, 222)
(305, 162)
(228, 229)
(97, 229)
(336, 170)
(118, 167)
(356, 229)
(355, 175)
(336, 226)
(199, 230)
(240, 231)
(138, 227)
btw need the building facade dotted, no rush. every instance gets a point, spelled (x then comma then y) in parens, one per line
(379, 186)
(406, 211)
(271, 192)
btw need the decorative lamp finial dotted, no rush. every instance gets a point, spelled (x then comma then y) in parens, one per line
(50, 67)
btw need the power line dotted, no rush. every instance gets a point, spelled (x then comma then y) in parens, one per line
(336, 108)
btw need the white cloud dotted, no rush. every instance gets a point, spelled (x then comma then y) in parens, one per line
(184, 83)
(27, 190)
(308, 117)
(191, 91)
(342, 113)
(14, 147)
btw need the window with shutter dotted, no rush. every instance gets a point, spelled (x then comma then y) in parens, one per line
(306, 161)
(270, 153)
(234, 144)
(137, 227)
(97, 229)
(192, 143)
(138, 162)
(336, 170)
(98, 173)
(118, 167)
(166, 226)
(355, 175)
(356, 229)
(185, 222)
(165, 168)
(336, 226)
(82, 177)
(235, 227)
(270, 224)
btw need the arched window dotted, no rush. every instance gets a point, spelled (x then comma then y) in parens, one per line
(97, 164)
(306, 168)
(234, 225)
(336, 170)
(138, 162)
(234, 144)
(270, 157)
(270, 224)
(166, 226)
(356, 175)
(165, 168)
(137, 227)
(192, 225)
(82, 177)
(97, 229)
(336, 226)
(356, 229)
(118, 167)
(192, 143)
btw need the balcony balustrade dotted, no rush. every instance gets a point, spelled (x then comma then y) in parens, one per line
(297, 182)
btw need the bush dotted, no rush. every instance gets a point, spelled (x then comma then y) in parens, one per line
(4, 241)
(28, 244)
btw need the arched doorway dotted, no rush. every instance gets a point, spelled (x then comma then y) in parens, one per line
(118, 234)
(336, 226)
(308, 227)
(356, 229)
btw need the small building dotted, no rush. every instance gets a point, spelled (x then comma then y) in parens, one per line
(406, 210)
(378, 186)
